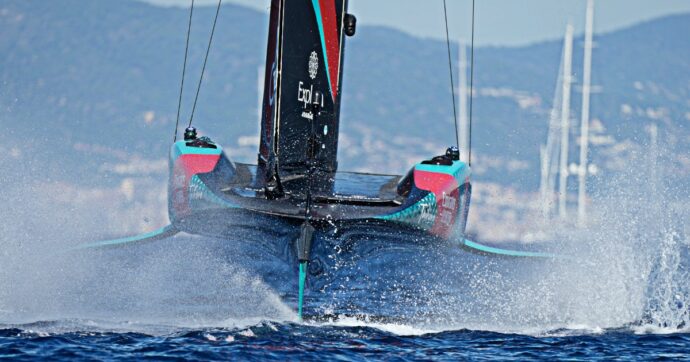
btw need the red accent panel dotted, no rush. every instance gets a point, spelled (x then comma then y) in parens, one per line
(445, 188)
(330, 29)
(194, 164)
(434, 181)
(185, 167)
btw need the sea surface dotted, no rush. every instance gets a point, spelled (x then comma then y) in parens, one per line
(345, 340)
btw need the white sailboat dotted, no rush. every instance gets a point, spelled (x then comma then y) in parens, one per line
(554, 155)
(558, 147)
(584, 128)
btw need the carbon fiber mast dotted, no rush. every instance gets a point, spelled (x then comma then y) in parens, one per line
(267, 175)
(303, 66)
(301, 105)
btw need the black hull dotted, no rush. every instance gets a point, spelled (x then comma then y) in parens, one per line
(356, 268)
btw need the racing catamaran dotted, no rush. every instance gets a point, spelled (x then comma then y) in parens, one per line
(296, 176)
(296, 180)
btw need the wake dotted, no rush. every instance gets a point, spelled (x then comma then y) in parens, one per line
(628, 271)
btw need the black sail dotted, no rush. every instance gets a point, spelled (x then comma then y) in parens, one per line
(301, 102)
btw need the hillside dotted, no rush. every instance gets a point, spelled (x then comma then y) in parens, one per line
(74, 68)
(88, 93)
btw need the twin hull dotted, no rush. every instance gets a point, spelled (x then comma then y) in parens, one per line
(211, 195)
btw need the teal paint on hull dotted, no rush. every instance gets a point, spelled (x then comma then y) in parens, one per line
(454, 170)
(198, 191)
(505, 252)
(422, 214)
(180, 148)
(302, 280)
(150, 236)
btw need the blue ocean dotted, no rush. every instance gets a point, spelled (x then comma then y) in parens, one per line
(90, 340)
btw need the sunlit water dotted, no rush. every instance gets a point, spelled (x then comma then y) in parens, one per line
(621, 291)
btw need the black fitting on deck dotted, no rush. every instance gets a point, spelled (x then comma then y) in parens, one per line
(190, 134)
(453, 152)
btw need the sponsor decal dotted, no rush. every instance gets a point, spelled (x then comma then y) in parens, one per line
(305, 95)
(426, 214)
(448, 207)
(313, 65)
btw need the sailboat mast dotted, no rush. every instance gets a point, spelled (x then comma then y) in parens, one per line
(584, 141)
(269, 108)
(565, 120)
(260, 91)
(543, 182)
(463, 131)
(550, 152)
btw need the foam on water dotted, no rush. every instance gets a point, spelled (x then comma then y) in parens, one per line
(164, 284)
(400, 329)
(628, 269)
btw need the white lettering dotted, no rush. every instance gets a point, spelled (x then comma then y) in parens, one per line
(446, 217)
(449, 202)
(425, 214)
(308, 115)
(304, 95)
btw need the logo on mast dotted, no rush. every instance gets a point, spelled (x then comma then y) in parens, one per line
(313, 64)
(305, 93)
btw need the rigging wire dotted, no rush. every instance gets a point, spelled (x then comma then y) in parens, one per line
(450, 70)
(203, 69)
(469, 146)
(184, 70)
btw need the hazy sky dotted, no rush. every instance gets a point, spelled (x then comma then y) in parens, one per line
(498, 22)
